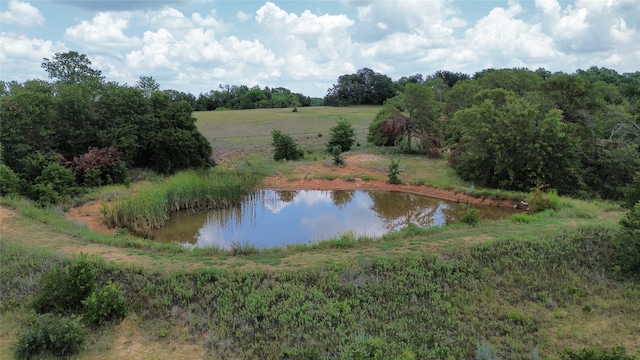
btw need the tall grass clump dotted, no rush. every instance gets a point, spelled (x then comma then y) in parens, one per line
(150, 207)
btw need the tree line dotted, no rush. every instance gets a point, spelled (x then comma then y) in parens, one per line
(81, 131)
(518, 129)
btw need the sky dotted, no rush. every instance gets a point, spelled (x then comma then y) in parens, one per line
(196, 45)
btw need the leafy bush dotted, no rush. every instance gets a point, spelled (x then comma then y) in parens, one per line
(341, 135)
(65, 288)
(337, 156)
(471, 216)
(285, 147)
(9, 181)
(100, 166)
(394, 171)
(58, 336)
(541, 201)
(55, 183)
(105, 304)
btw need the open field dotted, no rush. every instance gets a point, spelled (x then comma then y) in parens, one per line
(544, 284)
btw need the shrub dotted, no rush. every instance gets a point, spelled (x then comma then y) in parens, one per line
(58, 336)
(105, 304)
(541, 201)
(9, 181)
(471, 216)
(341, 135)
(285, 147)
(100, 166)
(64, 289)
(394, 171)
(55, 183)
(338, 160)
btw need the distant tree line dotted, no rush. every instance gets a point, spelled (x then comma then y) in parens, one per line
(517, 129)
(81, 130)
(240, 97)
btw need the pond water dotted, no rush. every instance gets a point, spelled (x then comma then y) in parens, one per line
(273, 218)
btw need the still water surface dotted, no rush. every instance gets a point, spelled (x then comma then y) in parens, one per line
(273, 218)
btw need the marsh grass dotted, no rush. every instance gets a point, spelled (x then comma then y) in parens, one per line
(149, 208)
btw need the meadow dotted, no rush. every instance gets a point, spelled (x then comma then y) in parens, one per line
(531, 286)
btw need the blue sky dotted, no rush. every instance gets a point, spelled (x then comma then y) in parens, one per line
(195, 45)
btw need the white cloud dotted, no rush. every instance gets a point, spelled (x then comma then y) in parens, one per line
(242, 16)
(21, 13)
(104, 32)
(21, 56)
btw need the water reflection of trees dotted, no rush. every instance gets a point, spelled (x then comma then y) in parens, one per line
(342, 198)
(396, 210)
(286, 195)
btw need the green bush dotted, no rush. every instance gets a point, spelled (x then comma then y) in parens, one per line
(105, 304)
(521, 218)
(632, 193)
(471, 216)
(338, 160)
(64, 289)
(58, 336)
(341, 135)
(9, 181)
(285, 147)
(394, 171)
(54, 184)
(541, 201)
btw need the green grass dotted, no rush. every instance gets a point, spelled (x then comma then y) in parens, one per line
(149, 207)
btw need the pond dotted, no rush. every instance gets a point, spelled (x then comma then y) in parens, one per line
(277, 218)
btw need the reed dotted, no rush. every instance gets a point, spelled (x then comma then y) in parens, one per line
(150, 207)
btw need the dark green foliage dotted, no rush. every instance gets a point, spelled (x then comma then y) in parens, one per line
(64, 288)
(363, 348)
(285, 148)
(55, 183)
(50, 335)
(366, 87)
(9, 181)
(628, 242)
(632, 193)
(337, 156)
(394, 172)
(471, 216)
(104, 305)
(342, 135)
(178, 149)
(506, 142)
(615, 353)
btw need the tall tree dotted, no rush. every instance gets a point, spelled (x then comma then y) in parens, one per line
(71, 67)
(148, 85)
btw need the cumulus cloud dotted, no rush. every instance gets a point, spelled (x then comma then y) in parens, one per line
(21, 13)
(104, 33)
(21, 56)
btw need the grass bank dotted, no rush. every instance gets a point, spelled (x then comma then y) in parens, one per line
(149, 207)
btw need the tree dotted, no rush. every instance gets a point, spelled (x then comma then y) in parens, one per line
(342, 136)
(366, 87)
(71, 67)
(512, 145)
(285, 147)
(409, 115)
(148, 85)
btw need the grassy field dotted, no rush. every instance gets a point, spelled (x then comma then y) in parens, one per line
(518, 286)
